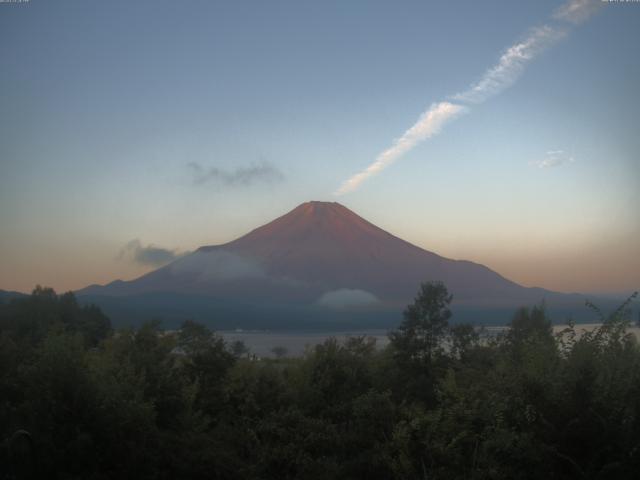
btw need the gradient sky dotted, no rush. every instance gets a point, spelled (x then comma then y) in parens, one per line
(175, 124)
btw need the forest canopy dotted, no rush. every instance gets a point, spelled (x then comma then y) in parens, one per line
(79, 399)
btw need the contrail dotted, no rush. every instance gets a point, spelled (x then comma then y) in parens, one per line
(428, 125)
(511, 64)
(499, 77)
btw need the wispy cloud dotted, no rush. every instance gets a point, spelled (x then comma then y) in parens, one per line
(553, 158)
(150, 255)
(240, 176)
(577, 11)
(429, 124)
(219, 265)
(510, 66)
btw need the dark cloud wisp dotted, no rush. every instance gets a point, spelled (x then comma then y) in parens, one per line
(150, 255)
(240, 176)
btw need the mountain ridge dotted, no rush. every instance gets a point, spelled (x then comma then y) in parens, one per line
(319, 264)
(324, 254)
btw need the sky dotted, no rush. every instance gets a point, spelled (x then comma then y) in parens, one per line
(500, 132)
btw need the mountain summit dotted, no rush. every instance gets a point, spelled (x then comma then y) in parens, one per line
(315, 221)
(328, 246)
(323, 254)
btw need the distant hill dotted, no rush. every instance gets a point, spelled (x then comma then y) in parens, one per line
(5, 295)
(320, 260)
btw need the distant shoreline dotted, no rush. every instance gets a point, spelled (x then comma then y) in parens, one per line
(295, 342)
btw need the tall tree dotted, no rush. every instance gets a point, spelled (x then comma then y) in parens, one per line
(417, 345)
(426, 321)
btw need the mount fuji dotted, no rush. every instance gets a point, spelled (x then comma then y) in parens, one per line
(319, 261)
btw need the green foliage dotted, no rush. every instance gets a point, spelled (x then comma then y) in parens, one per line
(426, 320)
(78, 400)
(279, 351)
(239, 349)
(31, 319)
(463, 339)
(418, 344)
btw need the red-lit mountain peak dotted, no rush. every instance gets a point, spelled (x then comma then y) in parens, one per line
(318, 225)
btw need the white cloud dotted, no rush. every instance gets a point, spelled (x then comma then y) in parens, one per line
(499, 77)
(553, 158)
(577, 11)
(217, 265)
(346, 297)
(511, 64)
(430, 123)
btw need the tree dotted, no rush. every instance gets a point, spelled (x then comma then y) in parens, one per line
(279, 351)
(463, 337)
(239, 348)
(530, 326)
(417, 346)
(426, 321)
(206, 361)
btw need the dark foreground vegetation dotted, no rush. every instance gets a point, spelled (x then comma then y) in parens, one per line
(79, 400)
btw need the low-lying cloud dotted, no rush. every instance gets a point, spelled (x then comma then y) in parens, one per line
(239, 177)
(149, 255)
(218, 265)
(346, 298)
(553, 158)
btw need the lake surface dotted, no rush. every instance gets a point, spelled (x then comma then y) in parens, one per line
(261, 343)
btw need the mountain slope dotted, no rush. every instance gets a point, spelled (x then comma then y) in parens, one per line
(323, 254)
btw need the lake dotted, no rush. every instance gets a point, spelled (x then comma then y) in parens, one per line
(261, 343)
